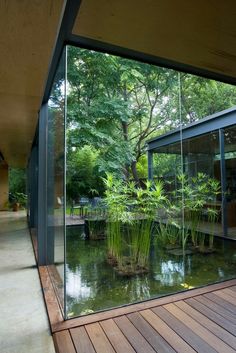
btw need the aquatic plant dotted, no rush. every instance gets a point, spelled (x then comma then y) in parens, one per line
(95, 222)
(131, 212)
(169, 233)
(116, 202)
(196, 196)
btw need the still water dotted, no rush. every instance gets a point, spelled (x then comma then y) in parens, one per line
(93, 285)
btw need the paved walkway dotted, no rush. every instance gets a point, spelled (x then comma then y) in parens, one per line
(24, 325)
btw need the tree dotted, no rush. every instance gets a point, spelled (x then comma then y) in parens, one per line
(83, 177)
(115, 105)
(17, 181)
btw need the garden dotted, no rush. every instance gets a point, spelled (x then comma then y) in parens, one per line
(130, 237)
(135, 244)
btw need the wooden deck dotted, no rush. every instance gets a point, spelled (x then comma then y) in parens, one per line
(203, 227)
(199, 320)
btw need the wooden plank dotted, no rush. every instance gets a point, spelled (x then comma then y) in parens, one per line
(166, 332)
(213, 315)
(140, 306)
(99, 339)
(230, 292)
(224, 303)
(81, 340)
(219, 300)
(233, 288)
(209, 324)
(34, 240)
(57, 283)
(133, 335)
(148, 332)
(226, 297)
(216, 308)
(115, 336)
(202, 332)
(52, 305)
(183, 331)
(63, 342)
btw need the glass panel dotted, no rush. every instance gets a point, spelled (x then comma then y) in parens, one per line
(202, 189)
(127, 239)
(114, 106)
(55, 181)
(230, 171)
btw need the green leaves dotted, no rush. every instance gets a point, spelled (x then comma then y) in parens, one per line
(126, 201)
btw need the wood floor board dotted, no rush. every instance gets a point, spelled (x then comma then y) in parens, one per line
(230, 292)
(99, 339)
(216, 308)
(166, 332)
(222, 302)
(220, 320)
(81, 340)
(63, 342)
(116, 337)
(201, 320)
(152, 336)
(202, 332)
(135, 338)
(189, 336)
(218, 331)
(222, 294)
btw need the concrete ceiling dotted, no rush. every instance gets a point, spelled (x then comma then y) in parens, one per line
(28, 31)
(199, 34)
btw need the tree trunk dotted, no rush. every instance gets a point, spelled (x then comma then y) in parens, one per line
(134, 172)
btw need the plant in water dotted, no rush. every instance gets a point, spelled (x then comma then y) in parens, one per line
(116, 202)
(169, 234)
(95, 222)
(131, 212)
(148, 202)
(198, 194)
(212, 218)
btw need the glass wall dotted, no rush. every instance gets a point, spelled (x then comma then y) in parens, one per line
(129, 239)
(56, 181)
(230, 176)
(113, 237)
(203, 202)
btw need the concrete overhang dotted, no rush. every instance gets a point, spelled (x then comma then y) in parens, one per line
(195, 36)
(28, 31)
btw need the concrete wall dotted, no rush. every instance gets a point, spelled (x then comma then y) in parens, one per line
(4, 187)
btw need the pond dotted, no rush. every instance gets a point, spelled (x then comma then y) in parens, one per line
(93, 285)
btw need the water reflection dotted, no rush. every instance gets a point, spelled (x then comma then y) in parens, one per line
(93, 285)
(76, 288)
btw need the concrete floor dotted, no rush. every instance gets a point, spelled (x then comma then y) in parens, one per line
(24, 325)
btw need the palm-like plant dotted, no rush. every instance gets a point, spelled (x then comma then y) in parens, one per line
(131, 212)
(195, 195)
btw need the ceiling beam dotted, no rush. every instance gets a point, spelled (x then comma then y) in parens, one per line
(71, 8)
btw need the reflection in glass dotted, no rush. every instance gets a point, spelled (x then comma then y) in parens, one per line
(230, 168)
(93, 285)
(114, 106)
(55, 181)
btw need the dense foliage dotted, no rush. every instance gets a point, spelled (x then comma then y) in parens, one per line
(83, 177)
(116, 104)
(17, 186)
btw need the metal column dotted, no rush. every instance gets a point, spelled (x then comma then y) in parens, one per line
(223, 182)
(150, 165)
(33, 187)
(50, 191)
(42, 186)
